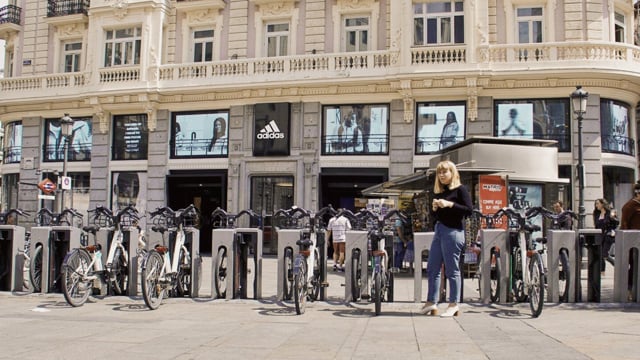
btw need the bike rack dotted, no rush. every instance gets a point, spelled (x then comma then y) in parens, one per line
(286, 239)
(421, 242)
(237, 242)
(356, 240)
(489, 239)
(557, 240)
(626, 240)
(593, 243)
(65, 238)
(11, 247)
(192, 243)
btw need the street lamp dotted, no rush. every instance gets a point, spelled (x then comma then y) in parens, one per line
(579, 101)
(66, 130)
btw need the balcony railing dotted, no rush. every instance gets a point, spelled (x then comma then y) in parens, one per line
(11, 155)
(618, 144)
(67, 7)
(10, 14)
(366, 144)
(75, 152)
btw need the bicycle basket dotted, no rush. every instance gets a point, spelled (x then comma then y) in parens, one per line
(190, 220)
(101, 220)
(128, 220)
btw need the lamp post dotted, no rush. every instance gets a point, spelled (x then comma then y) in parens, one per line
(579, 101)
(66, 130)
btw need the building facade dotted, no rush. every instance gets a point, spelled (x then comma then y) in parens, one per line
(263, 104)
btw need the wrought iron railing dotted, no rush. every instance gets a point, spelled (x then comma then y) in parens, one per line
(76, 152)
(367, 144)
(11, 155)
(10, 14)
(67, 7)
(618, 144)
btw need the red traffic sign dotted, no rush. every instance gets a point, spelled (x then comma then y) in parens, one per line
(47, 186)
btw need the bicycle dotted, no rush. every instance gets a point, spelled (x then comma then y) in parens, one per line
(382, 276)
(527, 276)
(11, 218)
(45, 217)
(82, 266)
(306, 284)
(163, 272)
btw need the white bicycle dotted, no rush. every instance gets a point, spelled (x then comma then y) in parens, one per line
(162, 270)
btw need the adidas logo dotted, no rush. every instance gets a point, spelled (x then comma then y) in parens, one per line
(270, 131)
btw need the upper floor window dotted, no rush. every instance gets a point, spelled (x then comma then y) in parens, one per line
(71, 55)
(202, 45)
(615, 127)
(439, 126)
(130, 137)
(619, 27)
(12, 143)
(200, 134)
(277, 41)
(438, 23)
(122, 47)
(529, 24)
(79, 143)
(356, 34)
(355, 129)
(534, 119)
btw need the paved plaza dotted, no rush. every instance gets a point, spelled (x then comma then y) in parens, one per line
(43, 326)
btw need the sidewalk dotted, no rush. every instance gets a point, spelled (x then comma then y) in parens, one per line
(36, 326)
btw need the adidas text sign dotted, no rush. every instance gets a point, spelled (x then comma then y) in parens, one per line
(270, 131)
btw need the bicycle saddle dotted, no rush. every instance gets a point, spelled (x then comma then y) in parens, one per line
(93, 229)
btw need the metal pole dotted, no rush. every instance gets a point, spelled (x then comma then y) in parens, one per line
(65, 147)
(581, 209)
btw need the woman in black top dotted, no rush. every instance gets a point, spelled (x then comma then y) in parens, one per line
(451, 204)
(606, 220)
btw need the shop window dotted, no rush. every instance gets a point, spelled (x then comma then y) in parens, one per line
(439, 125)
(355, 130)
(546, 119)
(200, 134)
(79, 143)
(615, 127)
(10, 191)
(12, 143)
(129, 188)
(130, 137)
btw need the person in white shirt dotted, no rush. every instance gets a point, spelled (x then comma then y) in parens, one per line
(338, 227)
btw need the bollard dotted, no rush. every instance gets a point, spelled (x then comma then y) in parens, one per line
(356, 240)
(557, 240)
(286, 241)
(490, 239)
(421, 242)
(626, 240)
(12, 238)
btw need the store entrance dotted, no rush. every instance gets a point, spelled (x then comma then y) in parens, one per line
(207, 191)
(341, 187)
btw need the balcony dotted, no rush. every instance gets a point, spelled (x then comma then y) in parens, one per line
(328, 70)
(57, 8)
(9, 20)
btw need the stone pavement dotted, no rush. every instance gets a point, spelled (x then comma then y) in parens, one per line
(43, 326)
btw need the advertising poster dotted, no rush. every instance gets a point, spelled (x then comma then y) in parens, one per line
(271, 129)
(515, 120)
(356, 129)
(130, 137)
(615, 127)
(13, 142)
(493, 197)
(439, 126)
(79, 142)
(200, 134)
(522, 197)
(129, 188)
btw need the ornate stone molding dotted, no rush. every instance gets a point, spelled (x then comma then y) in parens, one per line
(202, 16)
(472, 99)
(120, 8)
(356, 4)
(152, 115)
(275, 7)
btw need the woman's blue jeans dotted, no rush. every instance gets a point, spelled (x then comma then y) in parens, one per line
(446, 248)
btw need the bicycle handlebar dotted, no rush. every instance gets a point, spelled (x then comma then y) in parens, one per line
(4, 217)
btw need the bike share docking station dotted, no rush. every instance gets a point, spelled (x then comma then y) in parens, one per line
(231, 247)
(421, 242)
(12, 239)
(493, 240)
(556, 241)
(103, 238)
(627, 250)
(357, 242)
(56, 242)
(592, 240)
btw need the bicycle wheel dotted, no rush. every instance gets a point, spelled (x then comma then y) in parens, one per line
(356, 275)
(152, 290)
(518, 286)
(35, 269)
(220, 273)
(77, 277)
(119, 276)
(288, 274)
(377, 292)
(536, 287)
(184, 281)
(564, 276)
(496, 272)
(315, 278)
(300, 288)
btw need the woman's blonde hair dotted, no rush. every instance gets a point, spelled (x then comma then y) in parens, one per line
(455, 180)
